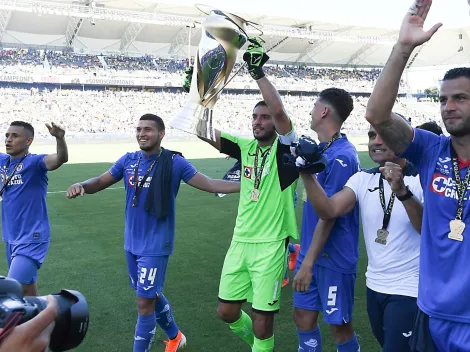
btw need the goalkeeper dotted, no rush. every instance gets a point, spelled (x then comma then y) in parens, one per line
(256, 261)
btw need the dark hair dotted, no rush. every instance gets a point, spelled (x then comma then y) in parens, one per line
(27, 126)
(157, 119)
(260, 103)
(457, 72)
(431, 126)
(340, 100)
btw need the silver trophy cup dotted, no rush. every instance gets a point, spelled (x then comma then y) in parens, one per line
(223, 35)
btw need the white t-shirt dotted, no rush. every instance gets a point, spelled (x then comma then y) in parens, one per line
(392, 268)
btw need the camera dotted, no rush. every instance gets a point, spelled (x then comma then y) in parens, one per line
(72, 321)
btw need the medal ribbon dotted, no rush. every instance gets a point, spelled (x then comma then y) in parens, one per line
(9, 178)
(387, 210)
(263, 161)
(138, 186)
(461, 186)
(331, 141)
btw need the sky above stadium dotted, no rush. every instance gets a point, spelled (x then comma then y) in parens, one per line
(355, 12)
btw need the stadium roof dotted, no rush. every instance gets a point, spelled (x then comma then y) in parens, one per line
(164, 29)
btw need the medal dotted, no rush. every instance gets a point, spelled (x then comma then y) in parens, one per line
(255, 193)
(382, 236)
(457, 226)
(456, 230)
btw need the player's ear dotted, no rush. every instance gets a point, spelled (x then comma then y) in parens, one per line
(29, 140)
(324, 111)
(161, 134)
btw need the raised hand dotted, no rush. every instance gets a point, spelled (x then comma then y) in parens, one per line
(412, 33)
(55, 130)
(394, 175)
(187, 79)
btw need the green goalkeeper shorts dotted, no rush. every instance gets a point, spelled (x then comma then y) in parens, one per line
(254, 272)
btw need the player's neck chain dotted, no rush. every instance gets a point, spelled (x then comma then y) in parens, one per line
(333, 139)
(7, 179)
(139, 185)
(457, 226)
(382, 234)
(255, 192)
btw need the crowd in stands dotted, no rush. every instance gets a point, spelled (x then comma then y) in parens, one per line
(171, 71)
(97, 113)
(111, 112)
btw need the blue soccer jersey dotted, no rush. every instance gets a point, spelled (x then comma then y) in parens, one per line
(144, 235)
(444, 281)
(341, 250)
(24, 208)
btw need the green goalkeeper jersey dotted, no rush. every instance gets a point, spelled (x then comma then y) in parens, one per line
(271, 217)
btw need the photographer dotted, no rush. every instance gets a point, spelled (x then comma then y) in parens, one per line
(35, 334)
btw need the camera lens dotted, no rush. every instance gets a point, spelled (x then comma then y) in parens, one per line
(71, 324)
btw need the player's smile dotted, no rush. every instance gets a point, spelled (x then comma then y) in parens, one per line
(257, 130)
(379, 151)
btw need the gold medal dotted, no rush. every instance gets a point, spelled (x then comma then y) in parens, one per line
(255, 193)
(456, 230)
(382, 236)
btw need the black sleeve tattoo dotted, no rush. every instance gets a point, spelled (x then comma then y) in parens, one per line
(396, 133)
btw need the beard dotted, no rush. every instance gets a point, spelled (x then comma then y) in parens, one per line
(265, 136)
(458, 131)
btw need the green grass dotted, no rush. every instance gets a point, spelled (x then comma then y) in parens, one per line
(87, 255)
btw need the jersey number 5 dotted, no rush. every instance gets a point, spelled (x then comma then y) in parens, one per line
(332, 295)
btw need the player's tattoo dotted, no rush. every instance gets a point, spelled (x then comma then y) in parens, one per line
(395, 134)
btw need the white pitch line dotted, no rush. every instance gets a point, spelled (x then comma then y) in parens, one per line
(56, 192)
(111, 188)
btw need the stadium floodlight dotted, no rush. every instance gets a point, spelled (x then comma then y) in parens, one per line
(95, 13)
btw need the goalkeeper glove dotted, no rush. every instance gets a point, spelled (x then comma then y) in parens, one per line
(187, 80)
(306, 156)
(255, 57)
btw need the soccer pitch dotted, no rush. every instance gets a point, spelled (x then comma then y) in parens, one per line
(87, 255)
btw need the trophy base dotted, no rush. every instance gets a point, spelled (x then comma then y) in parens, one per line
(195, 119)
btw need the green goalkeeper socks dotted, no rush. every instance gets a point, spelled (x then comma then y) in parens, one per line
(243, 328)
(264, 345)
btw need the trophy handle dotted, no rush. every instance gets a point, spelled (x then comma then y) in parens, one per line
(251, 23)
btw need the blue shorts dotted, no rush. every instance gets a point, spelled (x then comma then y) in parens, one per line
(392, 319)
(146, 274)
(24, 261)
(330, 292)
(449, 336)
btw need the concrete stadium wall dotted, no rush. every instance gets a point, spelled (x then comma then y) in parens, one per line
(109, 150)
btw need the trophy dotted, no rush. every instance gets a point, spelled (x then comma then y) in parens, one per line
(223, 35)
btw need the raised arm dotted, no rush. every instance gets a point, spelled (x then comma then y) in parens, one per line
(395, 131)
(92, 185)
(327, 208)
(272, 98)
(255, 57)
(54, 161)
(204, 183)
